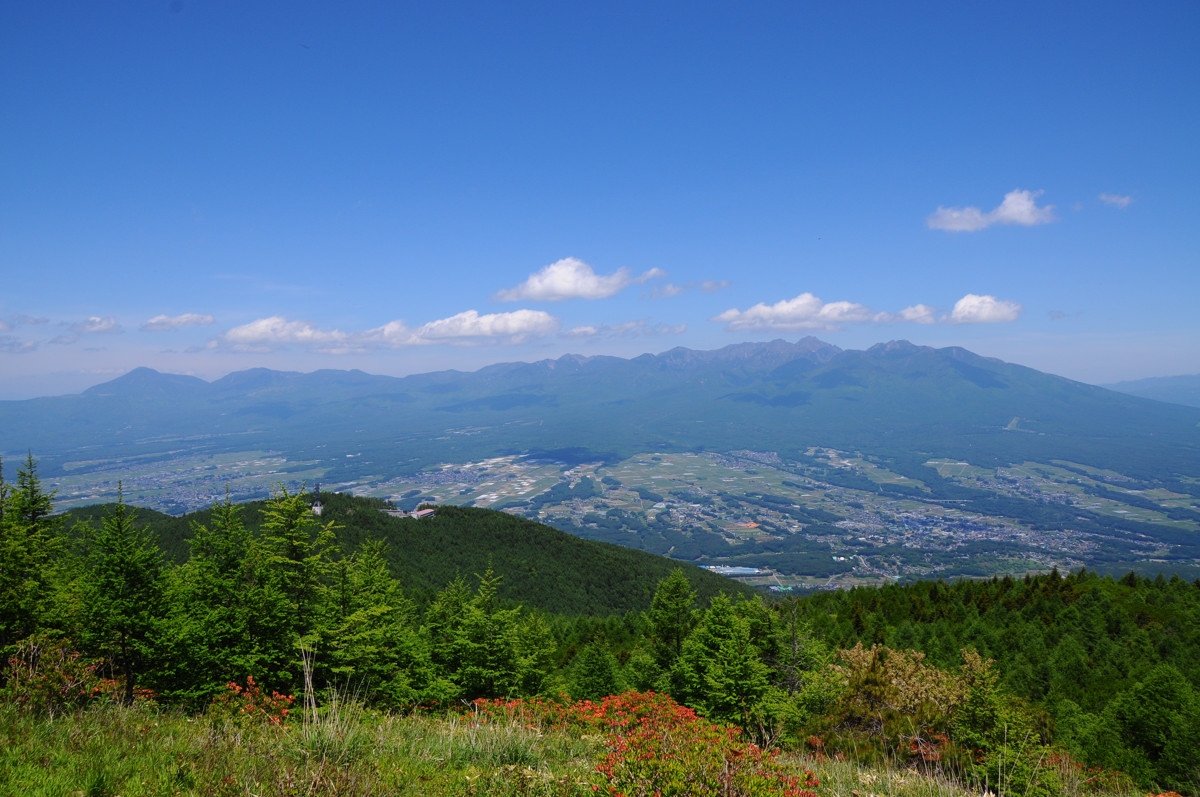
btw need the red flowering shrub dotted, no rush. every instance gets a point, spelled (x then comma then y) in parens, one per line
(657, 747)
(251, 703)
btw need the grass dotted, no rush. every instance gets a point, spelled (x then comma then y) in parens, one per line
(344, 749)
(109, 750)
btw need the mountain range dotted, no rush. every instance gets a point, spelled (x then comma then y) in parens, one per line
(1175, 389)
(894, 399)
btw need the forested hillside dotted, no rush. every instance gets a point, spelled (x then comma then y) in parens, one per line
(984, 682)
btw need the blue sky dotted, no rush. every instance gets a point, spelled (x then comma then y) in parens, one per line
(203, 187)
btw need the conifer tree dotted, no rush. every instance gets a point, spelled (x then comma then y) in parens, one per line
(122, 593)
(671, 617)
(28, 542)
(225, 622)
(484, 649)
(595, 673)
(298, 561)
(374, 641)
(720, 672)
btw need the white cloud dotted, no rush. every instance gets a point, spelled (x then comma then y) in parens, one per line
(975, 309)
(96, 325)
(1116, 200)
(630, 329)
(161, 323)
(1019, 207)
(711, 286)
(515, 327)
(266, 333)
(571, 278)
(466, 328)
(804, 312)
(916, 314)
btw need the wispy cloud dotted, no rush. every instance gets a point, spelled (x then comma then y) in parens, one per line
(163, 323)
(1019, 208)
(670, 289)
(10, 344)
(571, 278)
(95, 325)
(630, 329)
(1116, 200)
(975, 309)
(809, 312)
(667, 290)
(916, 314)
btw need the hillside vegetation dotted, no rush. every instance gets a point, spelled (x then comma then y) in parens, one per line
(283, 619)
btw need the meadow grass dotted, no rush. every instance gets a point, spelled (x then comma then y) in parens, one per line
(110, 750)
(344, 749)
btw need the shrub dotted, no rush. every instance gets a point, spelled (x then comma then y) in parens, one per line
(250, 703)
(47, 677)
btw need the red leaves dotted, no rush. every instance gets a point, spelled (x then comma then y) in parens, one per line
(252, 703)
(658, 747)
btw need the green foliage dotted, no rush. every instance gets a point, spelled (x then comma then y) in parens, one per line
(1081, 645)
(374, 642)
(28, 546)
(719, 670)
(672, 617)
(228, 616)
(299, 560)
(122, 596)
(487, 650)
(595, 674)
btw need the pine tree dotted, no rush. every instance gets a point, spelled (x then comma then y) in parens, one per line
(595, 673)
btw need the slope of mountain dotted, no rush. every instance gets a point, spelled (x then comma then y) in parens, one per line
(539, 566)
(1175, 389)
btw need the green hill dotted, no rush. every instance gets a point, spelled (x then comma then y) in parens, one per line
(540, 567)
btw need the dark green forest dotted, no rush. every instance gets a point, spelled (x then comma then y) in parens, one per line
(981, 679)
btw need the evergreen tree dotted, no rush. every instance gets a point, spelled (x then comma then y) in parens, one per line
(671, 617)
(595, 673)
(484, 649)
(298, 563)
(375, 641)
(226, 623)
(28, 543)
(719, 672)
(122, 591)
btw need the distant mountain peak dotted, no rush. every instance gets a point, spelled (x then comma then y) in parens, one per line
(147, 382)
